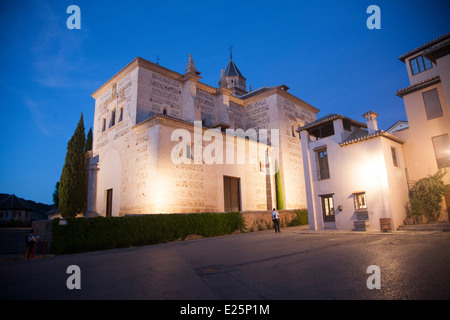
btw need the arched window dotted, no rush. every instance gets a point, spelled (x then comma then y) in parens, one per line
(165, 111)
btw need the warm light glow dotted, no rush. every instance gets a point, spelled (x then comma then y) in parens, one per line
(162, 194)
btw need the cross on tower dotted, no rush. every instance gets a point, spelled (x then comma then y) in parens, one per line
(231, 53)
(157, 59)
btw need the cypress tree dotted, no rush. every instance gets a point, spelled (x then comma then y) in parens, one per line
(278, 187)
(56, 195)
(88, 146)
(72, 185)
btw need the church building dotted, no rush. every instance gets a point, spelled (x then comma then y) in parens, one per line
(165, 142)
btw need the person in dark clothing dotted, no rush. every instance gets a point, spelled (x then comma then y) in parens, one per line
(276, 220)
(30, 243)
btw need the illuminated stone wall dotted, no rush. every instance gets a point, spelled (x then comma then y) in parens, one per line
(134, 153)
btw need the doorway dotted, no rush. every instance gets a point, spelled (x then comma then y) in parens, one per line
(327, 208)
(232, 194)
(109, 194)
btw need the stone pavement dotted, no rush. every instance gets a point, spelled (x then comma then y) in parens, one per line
(297, 264)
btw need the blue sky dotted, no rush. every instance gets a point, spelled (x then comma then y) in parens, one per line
(322, 50)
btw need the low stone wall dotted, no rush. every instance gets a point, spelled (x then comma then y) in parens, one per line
(43, 229)
(262, 220)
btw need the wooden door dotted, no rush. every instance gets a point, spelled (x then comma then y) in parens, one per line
(109, 194)
(232, 195)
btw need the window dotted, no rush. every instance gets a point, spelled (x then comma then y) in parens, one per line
(432, 104)
(323, 131)
(360, 200)
(103, 124)
(262, 166)
(189, 151)
(327, 208)
(420, 64)
(394, 157)
(112, 121)
(322, 164)
(165, 111)
(120, 114)
(293, 130)
(441, 146)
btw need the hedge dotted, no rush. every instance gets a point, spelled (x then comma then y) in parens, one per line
(100, 233)
(300, 220)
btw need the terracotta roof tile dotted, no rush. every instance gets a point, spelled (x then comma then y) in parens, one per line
(423, 47)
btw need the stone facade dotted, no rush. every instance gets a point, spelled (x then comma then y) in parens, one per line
(137, 115)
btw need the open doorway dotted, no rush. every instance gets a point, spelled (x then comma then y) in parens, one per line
(108, 197)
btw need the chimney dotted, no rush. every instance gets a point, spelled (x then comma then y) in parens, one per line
(371, 119)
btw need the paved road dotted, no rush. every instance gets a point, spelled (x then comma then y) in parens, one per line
(296, 264)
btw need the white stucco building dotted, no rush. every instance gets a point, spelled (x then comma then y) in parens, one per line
(427, 105)
(146, 114)
(354, 174)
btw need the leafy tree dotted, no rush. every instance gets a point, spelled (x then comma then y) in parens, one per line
(88, 145)
(72, 185)
(427, 195)
(56, 195)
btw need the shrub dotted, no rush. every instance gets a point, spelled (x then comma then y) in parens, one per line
(100, 233)
(301, 218)
(415, 207)
(427, 196)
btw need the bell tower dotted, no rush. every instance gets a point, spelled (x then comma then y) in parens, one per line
(235, 79)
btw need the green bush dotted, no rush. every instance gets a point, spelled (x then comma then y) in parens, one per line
(427, 196)
(301, 218)
(100, 233)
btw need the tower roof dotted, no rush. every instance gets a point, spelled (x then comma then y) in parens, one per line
(232, 70)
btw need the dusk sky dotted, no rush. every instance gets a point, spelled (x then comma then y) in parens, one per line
(322, 50)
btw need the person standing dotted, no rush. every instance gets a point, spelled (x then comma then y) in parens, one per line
(31, 244)
(276, 220)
